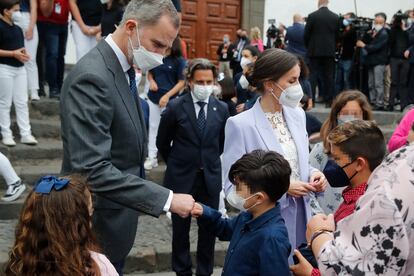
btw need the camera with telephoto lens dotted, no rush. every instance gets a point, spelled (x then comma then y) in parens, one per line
(362, 25)
(401, 17)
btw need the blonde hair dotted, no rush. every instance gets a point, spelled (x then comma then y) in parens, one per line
(255, 33)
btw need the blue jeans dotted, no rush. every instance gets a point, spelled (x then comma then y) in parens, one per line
(343, 72)
(54, 38)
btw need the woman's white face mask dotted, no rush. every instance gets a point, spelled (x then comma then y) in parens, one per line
(290, 96)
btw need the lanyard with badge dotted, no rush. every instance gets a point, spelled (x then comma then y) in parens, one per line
(58, 8)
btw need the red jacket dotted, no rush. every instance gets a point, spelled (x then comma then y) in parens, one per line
(60, 13)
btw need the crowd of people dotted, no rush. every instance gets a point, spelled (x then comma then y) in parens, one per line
(239, 132)
(343, 52)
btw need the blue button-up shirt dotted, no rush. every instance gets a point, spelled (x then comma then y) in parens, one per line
(257, 246)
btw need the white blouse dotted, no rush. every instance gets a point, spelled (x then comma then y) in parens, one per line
(285, 139)
(105, 266)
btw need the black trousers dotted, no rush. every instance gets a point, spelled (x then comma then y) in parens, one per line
(399, 81)
(323, 68)
(181, 258)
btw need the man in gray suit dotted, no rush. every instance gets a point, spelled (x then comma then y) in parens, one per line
(103, 128)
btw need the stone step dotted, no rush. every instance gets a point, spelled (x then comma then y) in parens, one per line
(30, 171)
(46, 149)
(45, 108)
(50, 108)
(41, 128)
(383, 118)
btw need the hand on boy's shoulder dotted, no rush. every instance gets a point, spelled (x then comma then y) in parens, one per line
(197, 210)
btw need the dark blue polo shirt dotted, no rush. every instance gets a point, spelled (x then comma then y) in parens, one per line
(25, 5)
(167, 76)
(257, 246)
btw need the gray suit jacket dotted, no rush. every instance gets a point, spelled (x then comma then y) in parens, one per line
(104, 137)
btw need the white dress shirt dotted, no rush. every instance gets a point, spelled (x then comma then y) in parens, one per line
(125, 67)
(197, 107)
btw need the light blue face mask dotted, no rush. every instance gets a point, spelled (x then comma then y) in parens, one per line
(346, 22)
(342, 119)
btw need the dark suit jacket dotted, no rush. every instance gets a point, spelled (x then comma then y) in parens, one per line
(190, 152)
(411, 44)
(230, 52)
(377, 49)
(104, 137)
(321, 33)
(295, 37)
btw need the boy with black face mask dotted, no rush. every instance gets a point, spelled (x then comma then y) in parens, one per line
(259, 243)
(357, 148)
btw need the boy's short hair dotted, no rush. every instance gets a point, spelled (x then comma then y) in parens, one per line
(7, 5)
(262, 171)
(360, 139)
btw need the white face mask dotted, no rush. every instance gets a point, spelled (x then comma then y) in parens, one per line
(342, 119)
(244, 83)
(238, 202)
(16, 17)
(202, 92)
(378, 27)
(103, 2)
(144, 59)
(244, 62)
(216, 91)
(290, 96)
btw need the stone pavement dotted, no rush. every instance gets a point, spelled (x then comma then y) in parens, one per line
(151, 251)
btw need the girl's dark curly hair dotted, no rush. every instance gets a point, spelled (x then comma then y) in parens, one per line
(54, 234)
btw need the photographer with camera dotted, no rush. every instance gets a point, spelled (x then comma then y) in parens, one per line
(346, 50)
(375, 49)
(399, 43)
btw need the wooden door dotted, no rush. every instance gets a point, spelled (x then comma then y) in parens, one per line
(205, 22)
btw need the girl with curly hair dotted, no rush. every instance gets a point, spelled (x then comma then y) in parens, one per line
(54, 234)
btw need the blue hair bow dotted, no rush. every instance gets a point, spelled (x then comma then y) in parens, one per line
(46, 183)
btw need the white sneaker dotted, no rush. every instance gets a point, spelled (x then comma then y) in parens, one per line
(150, 163)
(28, 140)
(34, 95)
(9, 141)
(14, 191)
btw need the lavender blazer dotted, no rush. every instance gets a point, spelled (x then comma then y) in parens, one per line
(251, 130)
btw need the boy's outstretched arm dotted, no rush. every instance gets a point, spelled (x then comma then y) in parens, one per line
(211, 220)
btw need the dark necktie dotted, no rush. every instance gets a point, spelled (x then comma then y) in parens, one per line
(133, 83)
(201, 119)
(134, 92)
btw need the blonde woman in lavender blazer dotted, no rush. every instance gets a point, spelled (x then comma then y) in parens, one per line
(276, 123)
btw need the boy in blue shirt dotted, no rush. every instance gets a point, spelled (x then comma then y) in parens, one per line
(259, 243)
